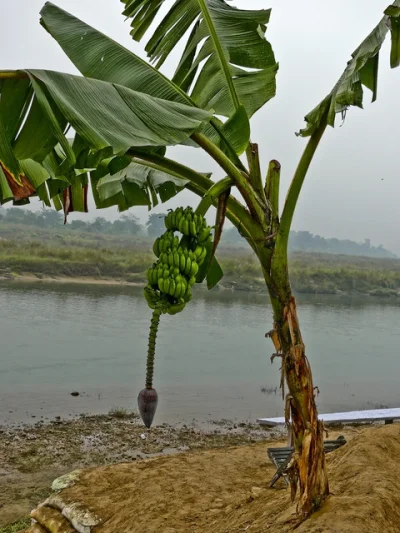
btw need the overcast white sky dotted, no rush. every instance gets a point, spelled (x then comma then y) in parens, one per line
(352, 190)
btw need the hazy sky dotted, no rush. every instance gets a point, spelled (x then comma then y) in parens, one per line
(352, 189)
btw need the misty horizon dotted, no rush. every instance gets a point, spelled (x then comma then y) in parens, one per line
(352, 187)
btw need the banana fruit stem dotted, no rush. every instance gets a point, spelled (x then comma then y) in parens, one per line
(155, 321)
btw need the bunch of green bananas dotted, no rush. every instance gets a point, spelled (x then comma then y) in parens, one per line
(170, 282)
(171, 278)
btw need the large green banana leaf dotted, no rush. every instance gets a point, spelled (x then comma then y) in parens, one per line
(37, 108)
(135, 184)
(106, 60)
(361, 70)
(226, 48)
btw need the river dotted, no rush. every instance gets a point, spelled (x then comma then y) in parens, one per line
(212, 360)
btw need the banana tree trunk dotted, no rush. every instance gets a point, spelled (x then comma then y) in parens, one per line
(307, 470)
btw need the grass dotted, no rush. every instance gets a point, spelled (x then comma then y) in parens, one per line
(269, 390)
(16, 526)
(69, 260)
(321, 273)
(121, 413)
(70, 254)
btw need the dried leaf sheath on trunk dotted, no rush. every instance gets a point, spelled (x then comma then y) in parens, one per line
(308, 468)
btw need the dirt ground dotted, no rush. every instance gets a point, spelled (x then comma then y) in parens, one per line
(31, 457)
(225, 489)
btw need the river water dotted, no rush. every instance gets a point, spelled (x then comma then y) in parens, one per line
(212, 360)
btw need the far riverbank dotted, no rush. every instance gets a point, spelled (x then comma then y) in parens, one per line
(115, 265)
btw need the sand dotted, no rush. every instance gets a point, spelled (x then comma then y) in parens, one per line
(226, 491)
(32, 456)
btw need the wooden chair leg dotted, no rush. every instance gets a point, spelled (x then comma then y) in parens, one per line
(290, 436)
(281, 472)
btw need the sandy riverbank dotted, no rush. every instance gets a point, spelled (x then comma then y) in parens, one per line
(86, 280)
(31, 457)
(226, 491)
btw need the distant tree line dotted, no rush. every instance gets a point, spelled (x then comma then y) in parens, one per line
(305, 241)
(129, 225)
(48, 219)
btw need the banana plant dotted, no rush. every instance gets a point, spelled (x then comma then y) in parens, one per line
(109, 129)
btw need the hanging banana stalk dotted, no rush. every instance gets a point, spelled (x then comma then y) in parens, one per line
(170, 282)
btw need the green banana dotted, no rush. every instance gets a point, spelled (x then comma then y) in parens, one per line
(172, 287)
(192, 228)
(188, 266)
(201, 258)
(178, 217)
(188, 295)
(185, 227)
(167, 221)
(198, 251)
(200, 222)
(194, 269)
(166, 285)
(184, 286)
(203, 234)
(178, 289)
(181, 223)
(182, 263)
(156, 247)
(183, 290)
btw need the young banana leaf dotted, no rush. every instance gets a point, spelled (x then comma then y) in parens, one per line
(361, 71)
(226, 49)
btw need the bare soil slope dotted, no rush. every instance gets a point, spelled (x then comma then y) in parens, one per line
(226, 491)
